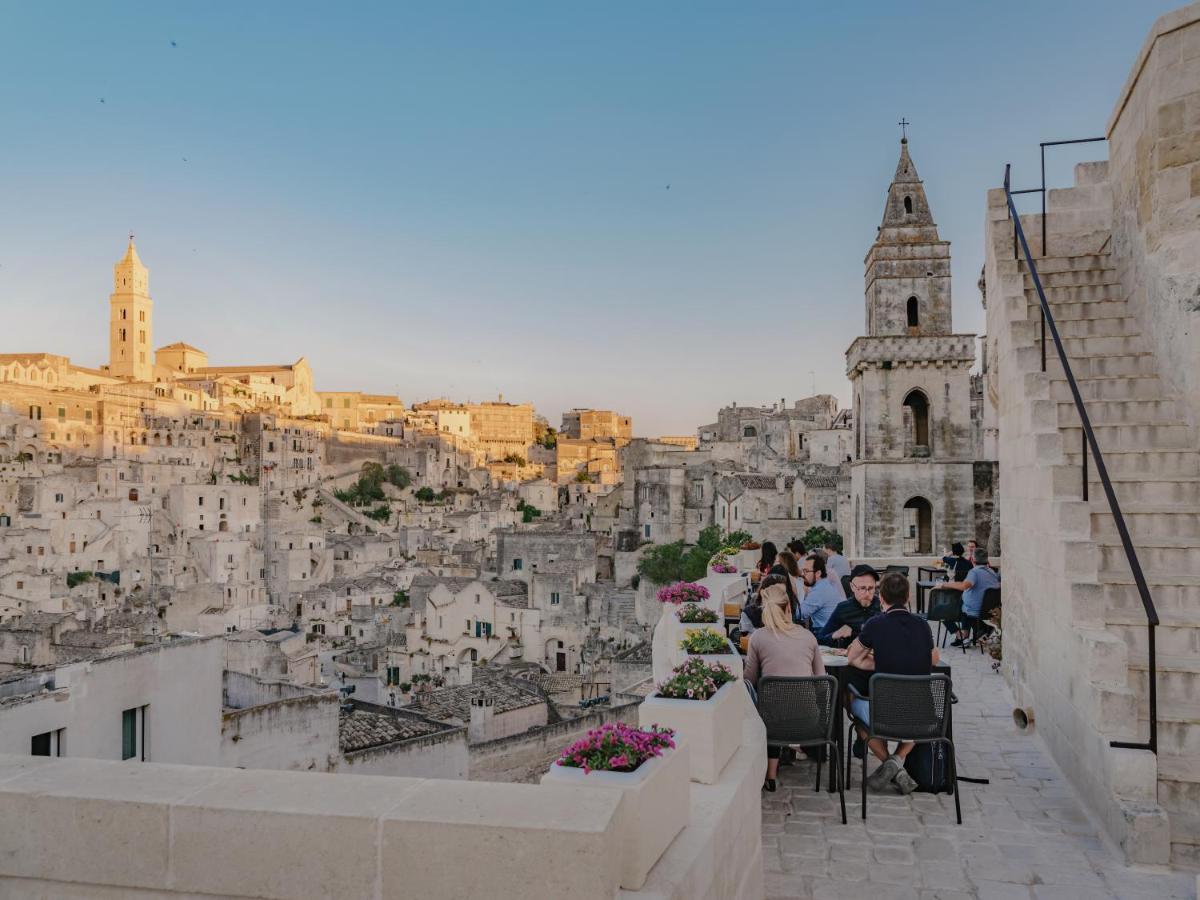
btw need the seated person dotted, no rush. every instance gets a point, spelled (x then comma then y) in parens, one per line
(895, 642)
(850, 615)
(779, 649)
(957, 564)
(752, 612)
(973, 586)
(823, 595)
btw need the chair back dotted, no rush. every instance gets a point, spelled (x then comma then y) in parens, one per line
(909, 707)
(798, 710)
(945, 605)
(991, 603)
(846, 585)
(903, 570)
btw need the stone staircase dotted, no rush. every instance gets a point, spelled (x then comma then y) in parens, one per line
(1152, 456)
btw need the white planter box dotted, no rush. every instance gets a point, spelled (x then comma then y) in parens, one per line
(731, 660)
(711, 728)
(655, 808)
(676, 630)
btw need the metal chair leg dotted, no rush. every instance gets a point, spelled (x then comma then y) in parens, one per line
(954, 783)
(841, 785)
(817, 787)
(864, 784)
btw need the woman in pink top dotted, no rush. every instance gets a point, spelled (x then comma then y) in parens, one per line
(781, 649)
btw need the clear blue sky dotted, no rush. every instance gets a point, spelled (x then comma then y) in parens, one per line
(471, 199)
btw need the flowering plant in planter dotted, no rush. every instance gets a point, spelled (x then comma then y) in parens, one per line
(695, 680)
(724, 568)
(704, 641)
(682, 592)
(695, 615)
(617, 747)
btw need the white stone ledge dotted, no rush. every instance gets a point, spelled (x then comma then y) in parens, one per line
(97, 828)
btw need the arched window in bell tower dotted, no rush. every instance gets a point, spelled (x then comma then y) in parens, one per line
(908, 205)
(914, 315)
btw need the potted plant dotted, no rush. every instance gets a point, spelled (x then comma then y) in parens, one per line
(701, 703)
(676, 624)
(651, 770)
(712, 646)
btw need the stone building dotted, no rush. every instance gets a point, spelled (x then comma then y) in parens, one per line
(912, 479)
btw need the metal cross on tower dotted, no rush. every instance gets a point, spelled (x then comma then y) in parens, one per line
(904, 123)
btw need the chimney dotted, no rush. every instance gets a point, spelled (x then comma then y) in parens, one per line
(779, 482)
(482, 711)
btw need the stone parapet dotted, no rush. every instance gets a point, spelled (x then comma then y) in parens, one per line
(951, 350)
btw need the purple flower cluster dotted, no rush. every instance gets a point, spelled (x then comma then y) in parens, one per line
(682, 592)
(617, 747)
(695, 680)
(724, 568)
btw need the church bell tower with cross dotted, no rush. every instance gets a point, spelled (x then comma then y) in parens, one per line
(912, 485)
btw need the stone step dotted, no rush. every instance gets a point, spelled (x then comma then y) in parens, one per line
(1165, 556)
(1153, 491)
(1179, 640)
(1079, 347)
(1126, 387)
(1071, 310)
(1062, 294)
(1134, 462)
(1146, 521)
(1097, 327)
(1121, 412)
(1120, 365)
(1072, 279)
(1068, 263)
(1177, 599)
(1114, 438)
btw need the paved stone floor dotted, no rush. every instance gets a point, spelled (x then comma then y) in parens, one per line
(1023, 836)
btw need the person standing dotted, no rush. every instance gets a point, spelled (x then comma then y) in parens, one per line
(836, 564)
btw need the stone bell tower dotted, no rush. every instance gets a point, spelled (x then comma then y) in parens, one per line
(130, 320)
(912, 486)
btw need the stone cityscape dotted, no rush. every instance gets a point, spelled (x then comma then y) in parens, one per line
(227, 570)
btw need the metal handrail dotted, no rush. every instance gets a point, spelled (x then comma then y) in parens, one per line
(1090, 442)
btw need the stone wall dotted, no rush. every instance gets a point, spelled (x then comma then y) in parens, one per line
(441, 755)
(524, 757)
(299, 733)
(1154, 169)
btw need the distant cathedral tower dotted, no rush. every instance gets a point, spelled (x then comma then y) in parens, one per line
(912, 485)
(130, 317)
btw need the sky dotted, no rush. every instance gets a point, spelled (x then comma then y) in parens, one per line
(659, 208)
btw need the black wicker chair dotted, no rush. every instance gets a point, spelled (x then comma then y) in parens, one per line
(979, 624)
(802, 712)
(846, 585)
(945, 605)
(903, 570)
(907, 708)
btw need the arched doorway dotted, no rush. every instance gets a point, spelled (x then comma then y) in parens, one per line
(916, 423)
(918, 526)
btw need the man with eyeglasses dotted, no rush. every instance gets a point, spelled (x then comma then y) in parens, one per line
(822, 597)
(850, 615)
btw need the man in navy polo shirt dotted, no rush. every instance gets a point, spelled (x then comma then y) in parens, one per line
(895, 642)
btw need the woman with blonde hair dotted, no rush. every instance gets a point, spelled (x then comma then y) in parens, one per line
(780, 648)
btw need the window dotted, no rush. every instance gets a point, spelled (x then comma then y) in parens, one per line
(827, 515)
(518, 564)
(916, 418)
(62, 413)
(48, 743)
(346, 403)
(913, 310)
(201, 499)
(908, 205)
(133, 733)
(646, 530)
(554, 598)
(799, 512)
(58, 498)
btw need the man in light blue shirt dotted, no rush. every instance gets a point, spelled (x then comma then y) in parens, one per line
(974, 586)
(823, 596)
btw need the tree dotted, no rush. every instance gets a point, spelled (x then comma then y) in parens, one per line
(515, 458)
(425, 494)
(816, 537)
(380, 513)
(398, 476)
(667, 563)
(582, 477)
(550, 438)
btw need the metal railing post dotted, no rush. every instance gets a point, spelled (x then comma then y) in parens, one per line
(1085, 466)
